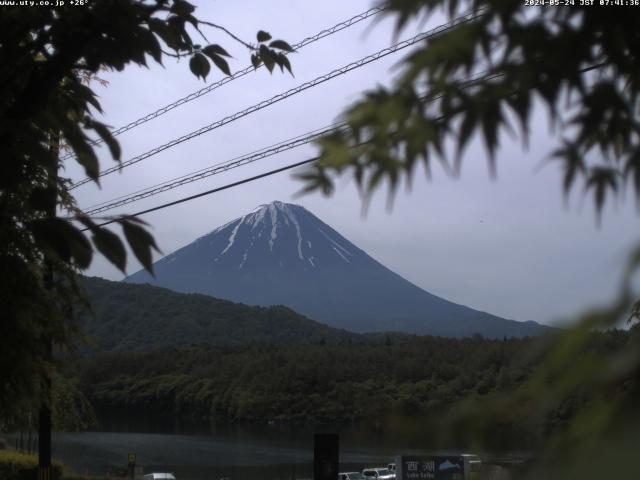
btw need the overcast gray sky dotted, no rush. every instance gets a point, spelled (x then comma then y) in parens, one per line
(508, 246)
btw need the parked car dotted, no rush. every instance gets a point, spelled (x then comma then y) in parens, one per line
(159, 476)
(391, 467)
(351, 476)
(378, 473)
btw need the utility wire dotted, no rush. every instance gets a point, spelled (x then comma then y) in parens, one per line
(257, 177)
(244, 160)
(213, 170)
(214, 190)
(240, 73)
(281, 96)
(477, 79)
(216, 165)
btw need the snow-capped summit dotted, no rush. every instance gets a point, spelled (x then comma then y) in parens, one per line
(281, 253)
(286, 231)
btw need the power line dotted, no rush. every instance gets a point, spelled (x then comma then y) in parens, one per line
(213, 170)
(473, 81)
(281, 96)
(470, 82)
(240, 73)
(217, 165)
(244, 159)
(214, 190)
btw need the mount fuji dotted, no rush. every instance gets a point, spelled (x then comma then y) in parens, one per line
(283, 254)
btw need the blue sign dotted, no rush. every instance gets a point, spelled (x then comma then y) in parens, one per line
(435, 467)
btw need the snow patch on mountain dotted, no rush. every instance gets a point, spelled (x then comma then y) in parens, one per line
(232, 237)
(274, 225)
(336, 244)
(257, 217)
(297, 227)
(340, 254)
(244, 259)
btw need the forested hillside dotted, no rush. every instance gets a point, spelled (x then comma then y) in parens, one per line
(129, 317)
(304, 383)
(220, 362)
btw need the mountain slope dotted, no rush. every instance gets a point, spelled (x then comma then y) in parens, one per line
(282, 254)
(140, 317)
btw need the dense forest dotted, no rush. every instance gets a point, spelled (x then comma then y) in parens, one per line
(126, 317)
(313, 383)
(196, 358)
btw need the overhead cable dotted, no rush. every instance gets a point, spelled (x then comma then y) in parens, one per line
(255, 177)
(213, 170)
(240, 73)
(473, 81)
(281, 96)
(214, 190)
(254, 156)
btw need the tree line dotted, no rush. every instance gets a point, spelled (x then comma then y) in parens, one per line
(319, 383)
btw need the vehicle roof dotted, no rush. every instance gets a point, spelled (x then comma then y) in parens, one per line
(167, 476)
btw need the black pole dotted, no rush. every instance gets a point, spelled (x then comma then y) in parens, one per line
(44, 416)
(326, 452)
(44, 428)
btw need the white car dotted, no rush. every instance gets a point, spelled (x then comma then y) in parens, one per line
(159, 476)
(378, 473)
(351, 476)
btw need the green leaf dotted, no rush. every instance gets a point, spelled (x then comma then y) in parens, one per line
(220, 62)
(85, 155)
(281, 45)
(255, 61)
(600, 180)
(58, 237)
(182, 8)
(267, 58)
(86, 221)
(140, 241)
(283, 61)
(573, 164)
(177, 25)
(214, 49)
(103, 131)
(520, 102)
(110, 245)
(151, 45)
(466, 130)
(263, 36)
(82, 93)
(491, 120)
(192, 20)
(199, 65)
(168, 35)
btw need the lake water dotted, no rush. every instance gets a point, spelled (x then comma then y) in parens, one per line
(199, 451)
(203, 452)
